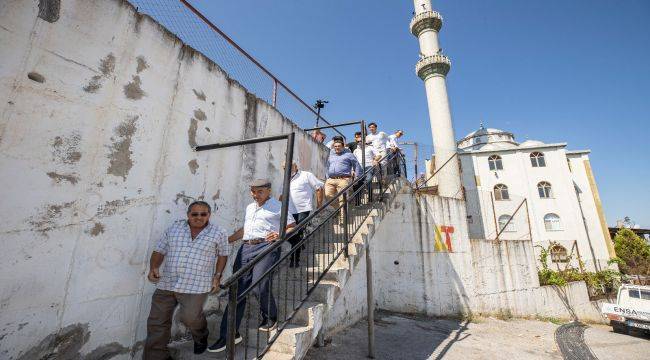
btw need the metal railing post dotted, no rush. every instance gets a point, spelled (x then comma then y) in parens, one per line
(232, 319)
(345, 224)
(380, 179)
(286, 185)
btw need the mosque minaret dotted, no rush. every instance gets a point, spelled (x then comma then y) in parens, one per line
(432, 69)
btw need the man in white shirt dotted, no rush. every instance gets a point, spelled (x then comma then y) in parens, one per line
(261, 228)
(371, 157)
(392, 140)
(303, 186)
(393, 146)
(379, 139)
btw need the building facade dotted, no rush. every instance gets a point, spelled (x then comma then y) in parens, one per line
(533, 190)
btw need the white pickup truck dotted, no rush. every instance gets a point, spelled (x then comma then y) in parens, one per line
(631, 311)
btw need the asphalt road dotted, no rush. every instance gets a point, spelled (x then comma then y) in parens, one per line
(405, 337)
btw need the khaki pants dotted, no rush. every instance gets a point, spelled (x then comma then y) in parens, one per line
(159, 323)
(333, 187)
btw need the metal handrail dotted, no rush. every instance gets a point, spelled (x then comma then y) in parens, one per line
(435, 172)
(234, 277)
(316, 237)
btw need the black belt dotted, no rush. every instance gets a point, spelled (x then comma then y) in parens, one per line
(254, 241)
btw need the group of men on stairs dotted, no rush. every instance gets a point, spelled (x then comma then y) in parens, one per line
(193, 252)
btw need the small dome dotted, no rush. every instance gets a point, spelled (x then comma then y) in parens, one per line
(531, 143)
(478, 139)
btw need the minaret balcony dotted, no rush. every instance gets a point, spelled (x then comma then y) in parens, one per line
(433, 65)
(426, 20)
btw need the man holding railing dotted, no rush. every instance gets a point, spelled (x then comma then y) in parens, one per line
(371, 159)
(261, 229)
(301, 192)
(341, 169)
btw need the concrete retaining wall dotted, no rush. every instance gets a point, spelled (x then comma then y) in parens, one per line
(413, 273)
(100, 107)
(420, 256)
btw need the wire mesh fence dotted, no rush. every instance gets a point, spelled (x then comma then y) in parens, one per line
(196, 31)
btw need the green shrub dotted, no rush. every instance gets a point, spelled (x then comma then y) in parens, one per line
(599, 283)
(633, 252)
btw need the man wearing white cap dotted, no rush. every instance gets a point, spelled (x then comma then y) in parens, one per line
(261, 229)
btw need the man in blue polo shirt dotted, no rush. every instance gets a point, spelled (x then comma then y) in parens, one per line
(342, 167)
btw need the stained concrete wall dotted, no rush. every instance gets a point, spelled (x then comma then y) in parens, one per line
(421, 257)
(99, 109)
(418, 269)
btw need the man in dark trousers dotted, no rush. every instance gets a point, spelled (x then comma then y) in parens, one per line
(193, 254)
(261, 229)
(303, 186)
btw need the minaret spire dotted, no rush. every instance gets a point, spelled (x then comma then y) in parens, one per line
(432, 69)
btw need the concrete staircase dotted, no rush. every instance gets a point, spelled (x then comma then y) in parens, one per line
(295, 340)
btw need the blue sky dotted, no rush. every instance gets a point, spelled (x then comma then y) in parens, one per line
(557, 71)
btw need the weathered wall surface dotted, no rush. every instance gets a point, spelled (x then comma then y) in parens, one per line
(424, 262)
(420, 256)
(99, 109)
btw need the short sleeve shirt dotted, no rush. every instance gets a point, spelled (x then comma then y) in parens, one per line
(260, 220)
(189, 264)
(370, 155)
(392, 141)
(303, 185)
(379, 141)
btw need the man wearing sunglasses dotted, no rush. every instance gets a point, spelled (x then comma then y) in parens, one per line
(194, 253)
(261, 228)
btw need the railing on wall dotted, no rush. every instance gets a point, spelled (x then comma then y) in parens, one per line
(196, 31)
(324, 237)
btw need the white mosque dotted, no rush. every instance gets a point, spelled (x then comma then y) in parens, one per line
(562, 203)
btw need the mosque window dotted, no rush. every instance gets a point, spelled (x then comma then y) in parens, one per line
(495, 162)
(559, 254)
(544, 190)
(552, 222)
(501, 192)
(503, 220)
(537, 159)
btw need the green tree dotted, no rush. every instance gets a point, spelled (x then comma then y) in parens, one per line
(634, 251)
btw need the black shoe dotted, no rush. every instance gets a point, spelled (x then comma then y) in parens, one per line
(199, 347)
(268, 325)
(220, 345)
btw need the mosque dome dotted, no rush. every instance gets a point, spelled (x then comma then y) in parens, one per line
(531, 143)
(480, 139)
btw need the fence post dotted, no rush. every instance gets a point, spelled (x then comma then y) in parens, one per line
(232, 319)
(275, 93)
(370, 300)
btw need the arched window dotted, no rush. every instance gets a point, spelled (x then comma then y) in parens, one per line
(552, 222)
(544, 190)
(501, 192)
(495, 162)
(503, 220)
(537, 159)
(558, 254)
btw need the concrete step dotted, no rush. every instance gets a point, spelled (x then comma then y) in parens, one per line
(185, 351)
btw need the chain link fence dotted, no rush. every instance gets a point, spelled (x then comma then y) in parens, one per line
(196, 31)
